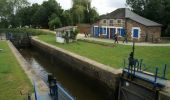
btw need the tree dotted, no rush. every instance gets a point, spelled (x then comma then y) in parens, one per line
(8, 10)
(43, 14)
(82, 12)
(55, 23)
(66, 18)
(78, 14)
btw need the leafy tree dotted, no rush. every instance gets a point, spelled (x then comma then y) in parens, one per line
(40, 18)
(66, 18)
(55, 23)
(78, 14)
(82, 12)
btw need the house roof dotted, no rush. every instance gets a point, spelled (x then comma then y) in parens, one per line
(127, 13)
(65, 28)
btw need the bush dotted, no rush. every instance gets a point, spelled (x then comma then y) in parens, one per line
(167, 31)
(31, 32)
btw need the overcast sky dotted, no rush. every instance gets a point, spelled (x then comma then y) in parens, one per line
(102, 6)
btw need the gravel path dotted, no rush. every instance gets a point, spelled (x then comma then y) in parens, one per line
(81, 36)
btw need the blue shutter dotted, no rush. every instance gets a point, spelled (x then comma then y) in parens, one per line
(123, 32)
(119, 31)
(104, 31)
(101, 30)
(107, 32)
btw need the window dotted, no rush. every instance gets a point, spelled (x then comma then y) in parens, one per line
(136, 32)
(121, 32)
(111, 21)
(119, 21)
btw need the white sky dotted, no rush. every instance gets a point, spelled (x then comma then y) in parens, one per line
(102, 6)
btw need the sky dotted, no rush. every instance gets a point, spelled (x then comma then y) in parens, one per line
(102, 6)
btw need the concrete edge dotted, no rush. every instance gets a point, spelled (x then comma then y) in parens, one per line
(31, 74)
(85, 59)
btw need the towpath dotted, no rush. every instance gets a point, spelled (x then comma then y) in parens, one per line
(81, 36)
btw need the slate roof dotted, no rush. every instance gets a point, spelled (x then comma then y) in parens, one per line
(127, 13)
(65, 28)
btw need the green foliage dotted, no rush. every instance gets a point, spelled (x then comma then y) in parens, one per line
(70, 36)
(24, 30)
(167, 32)
(66, 18)
(55, 23)
(74, 33)
(46, 15)
(83, 13)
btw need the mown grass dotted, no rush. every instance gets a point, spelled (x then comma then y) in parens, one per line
(13, 80)
(113, 56)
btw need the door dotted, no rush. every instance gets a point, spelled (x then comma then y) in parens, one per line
(96, 31)
(112, 32)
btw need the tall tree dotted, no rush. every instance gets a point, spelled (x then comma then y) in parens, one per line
(82, 12)
(43, 14)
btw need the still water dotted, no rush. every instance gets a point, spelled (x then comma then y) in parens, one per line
(77, 85)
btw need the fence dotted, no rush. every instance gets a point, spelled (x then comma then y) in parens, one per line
(141, 66)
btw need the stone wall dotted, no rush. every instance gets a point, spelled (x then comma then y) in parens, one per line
(104, 74)
(148, 34)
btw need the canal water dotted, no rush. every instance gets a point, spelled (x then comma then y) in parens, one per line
(77, 85)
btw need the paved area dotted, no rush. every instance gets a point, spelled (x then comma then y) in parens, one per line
(81, 36)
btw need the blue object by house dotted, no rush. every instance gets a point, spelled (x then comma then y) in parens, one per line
(101, 30)
(112, 32)
(107, 32)
(135, 33)
(96, 30)
(123, 32)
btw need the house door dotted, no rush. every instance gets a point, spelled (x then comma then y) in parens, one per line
(96, 31)
(112, 32)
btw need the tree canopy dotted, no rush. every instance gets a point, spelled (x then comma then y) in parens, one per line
(49, 14)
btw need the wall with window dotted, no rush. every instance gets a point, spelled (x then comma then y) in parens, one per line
(133, 26)
(112, 22)
(147, 34)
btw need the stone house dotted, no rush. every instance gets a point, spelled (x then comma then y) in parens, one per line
(124, 22)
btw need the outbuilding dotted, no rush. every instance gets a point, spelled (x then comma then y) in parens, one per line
(61, 32)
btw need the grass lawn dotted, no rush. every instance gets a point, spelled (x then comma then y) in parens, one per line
(12, 77)
(113, 56)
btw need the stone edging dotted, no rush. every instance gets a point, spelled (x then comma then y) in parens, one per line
(31, 74)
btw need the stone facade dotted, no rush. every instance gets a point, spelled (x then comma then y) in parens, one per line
(112, 22)
(147, 34)
(123, 21)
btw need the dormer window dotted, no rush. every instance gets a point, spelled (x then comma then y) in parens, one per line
(111, 21)
(119, 21)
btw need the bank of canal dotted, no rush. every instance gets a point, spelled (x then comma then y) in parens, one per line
(14, 83)
(81, 87)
